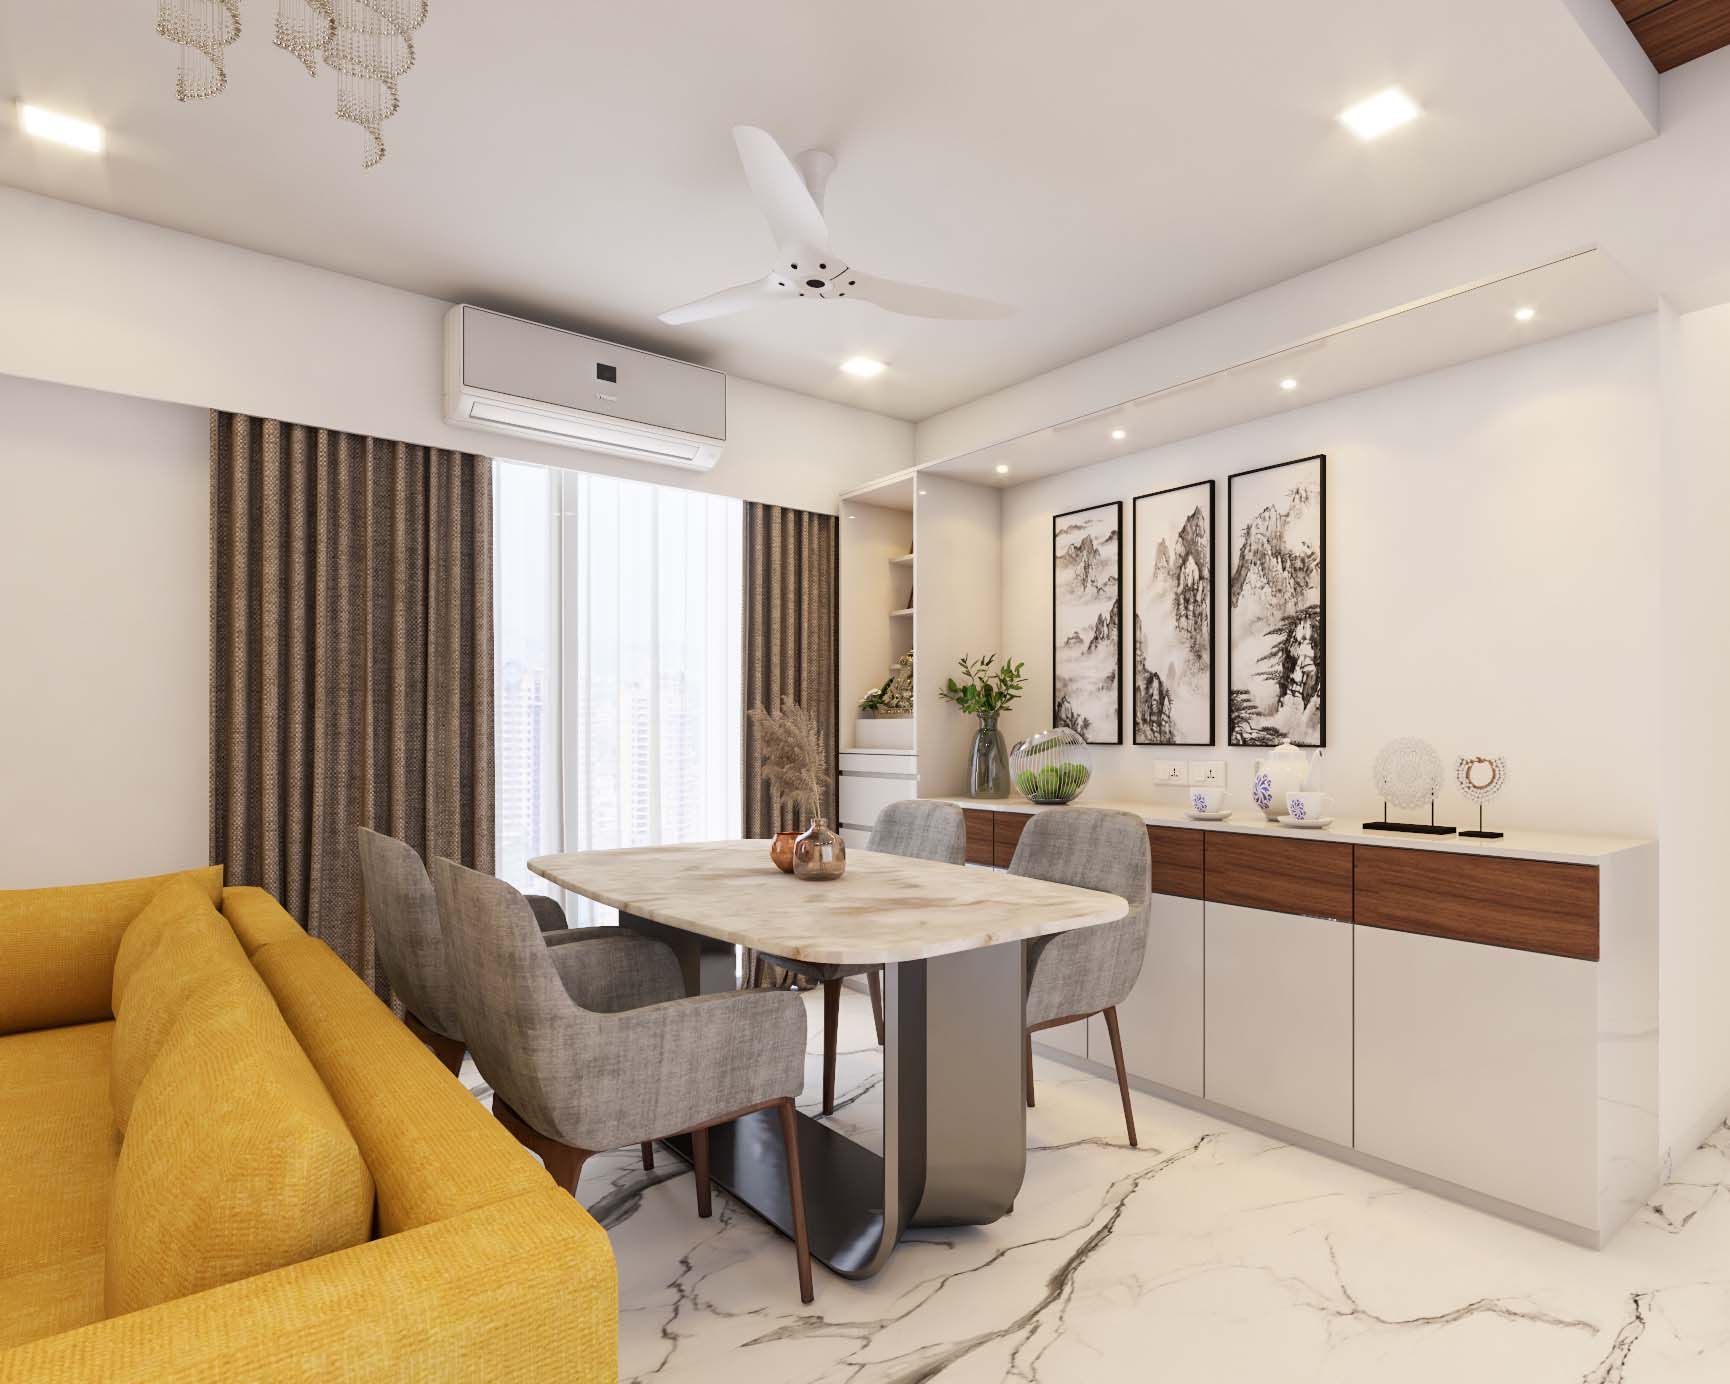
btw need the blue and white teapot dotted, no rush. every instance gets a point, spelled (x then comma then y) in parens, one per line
(1282, 772)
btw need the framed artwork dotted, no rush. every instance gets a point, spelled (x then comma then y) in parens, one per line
(1086, 622)
(1171, 640)
(1276, 641)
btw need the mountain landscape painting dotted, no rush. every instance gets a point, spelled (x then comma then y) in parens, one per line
(1171, 661)
(1087, 636)
(1276, 518)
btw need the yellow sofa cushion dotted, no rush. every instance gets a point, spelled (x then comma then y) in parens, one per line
(172, 947)
(57, 1155)
(57, 947)
(434, 1150)
(235, 1162)
(257, 919)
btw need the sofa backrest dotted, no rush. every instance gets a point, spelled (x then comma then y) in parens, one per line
(57, 947)
(434, 1151)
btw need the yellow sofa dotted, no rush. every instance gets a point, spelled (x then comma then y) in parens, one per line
(301, 1191)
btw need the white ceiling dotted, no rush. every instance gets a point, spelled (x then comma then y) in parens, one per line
(1110, 167)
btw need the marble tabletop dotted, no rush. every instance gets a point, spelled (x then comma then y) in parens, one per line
(885, 908)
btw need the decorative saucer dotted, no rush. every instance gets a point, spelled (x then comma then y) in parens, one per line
(1208, 816)
(1308, 823)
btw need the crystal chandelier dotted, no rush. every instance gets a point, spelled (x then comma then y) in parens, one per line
(367, 43)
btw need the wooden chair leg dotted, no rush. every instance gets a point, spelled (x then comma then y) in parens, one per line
(448, 1050)
(759, 970)
(563, 1161)
(1027, 1064)
(796, 1195)
(648, 1156)
(831, 1031)
(874, 979)
(1122, 1076)
(700, 1166)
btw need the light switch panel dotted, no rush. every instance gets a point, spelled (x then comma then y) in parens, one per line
(1209, 772)
(1171, 771)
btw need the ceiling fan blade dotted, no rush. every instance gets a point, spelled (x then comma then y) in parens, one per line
(913, 300)
(738, 298)
(783, 198)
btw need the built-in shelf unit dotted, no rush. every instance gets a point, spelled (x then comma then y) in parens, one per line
(918, 566)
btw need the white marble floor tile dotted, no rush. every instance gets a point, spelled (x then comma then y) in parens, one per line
(1211, 1254)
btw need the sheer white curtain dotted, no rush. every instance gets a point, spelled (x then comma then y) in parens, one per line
(619, 607)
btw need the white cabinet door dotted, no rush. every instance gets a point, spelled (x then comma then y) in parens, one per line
(1477, 1064)
(862, 798)
(1279, 1018)
(1161, 1019)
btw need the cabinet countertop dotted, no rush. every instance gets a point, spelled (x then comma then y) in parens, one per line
(1523, 845)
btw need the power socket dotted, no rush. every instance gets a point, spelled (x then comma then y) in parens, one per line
(1208, 773)
(1170, 772)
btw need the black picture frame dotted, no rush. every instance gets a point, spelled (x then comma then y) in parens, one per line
(1235, 733)
(1212, 568)
(1057, 649)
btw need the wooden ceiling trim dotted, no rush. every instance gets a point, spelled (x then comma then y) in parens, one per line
(1677, 31)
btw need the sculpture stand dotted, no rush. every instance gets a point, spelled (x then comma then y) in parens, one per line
(1480, 834)
(1428, 828)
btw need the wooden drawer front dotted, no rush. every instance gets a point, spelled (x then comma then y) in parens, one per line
(1287, 876)
(1530, 905)
(1176, 853)
(1004, 836)
(978, 835)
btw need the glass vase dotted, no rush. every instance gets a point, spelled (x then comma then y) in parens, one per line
(988, 770)
(820, 854)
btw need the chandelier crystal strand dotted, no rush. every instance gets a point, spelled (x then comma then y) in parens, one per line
(201, 29)
(303, 28)
(369, 49)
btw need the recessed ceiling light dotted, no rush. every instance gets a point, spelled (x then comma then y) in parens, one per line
(62, 129)
(1118, 434)
(1524, 314)
(1288, 384)
(1002, 470)
(1386, 110)
(863, 367)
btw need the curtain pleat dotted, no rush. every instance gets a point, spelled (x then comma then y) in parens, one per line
(790, 632)
(351, 662)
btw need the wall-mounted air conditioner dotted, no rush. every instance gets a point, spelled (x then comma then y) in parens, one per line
(512, 376)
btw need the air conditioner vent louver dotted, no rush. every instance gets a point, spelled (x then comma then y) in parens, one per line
(508, 375)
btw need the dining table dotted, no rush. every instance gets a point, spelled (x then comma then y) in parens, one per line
(952, 941)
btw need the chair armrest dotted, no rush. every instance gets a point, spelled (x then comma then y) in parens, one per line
(690, 1062)
(606, 969)
(504, 1292)
(548, 913)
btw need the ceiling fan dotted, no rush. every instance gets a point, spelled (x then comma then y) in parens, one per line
(789, 193)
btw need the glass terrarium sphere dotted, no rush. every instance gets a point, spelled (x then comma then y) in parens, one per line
(1051, 767)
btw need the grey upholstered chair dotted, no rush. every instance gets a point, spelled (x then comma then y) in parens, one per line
(586, 1047)
(923, 830)
(1075, 975)
(404, 913)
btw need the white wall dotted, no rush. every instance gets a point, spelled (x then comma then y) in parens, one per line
(109, 303)
(1493, 555)
(104, 601)
(1694, 756)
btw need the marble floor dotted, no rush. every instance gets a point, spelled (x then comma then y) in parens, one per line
(1209, 1254)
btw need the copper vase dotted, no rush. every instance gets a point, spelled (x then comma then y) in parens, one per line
(819, 854)
(781, 850)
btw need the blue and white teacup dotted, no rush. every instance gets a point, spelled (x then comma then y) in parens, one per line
(1307, 807)
(1207, 799)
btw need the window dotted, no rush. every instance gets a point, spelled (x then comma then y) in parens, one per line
(618, 716)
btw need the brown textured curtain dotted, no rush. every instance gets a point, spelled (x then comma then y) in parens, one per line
(791, 606)
(351, 662)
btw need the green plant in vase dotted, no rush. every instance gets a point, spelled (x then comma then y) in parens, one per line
(988, 690)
